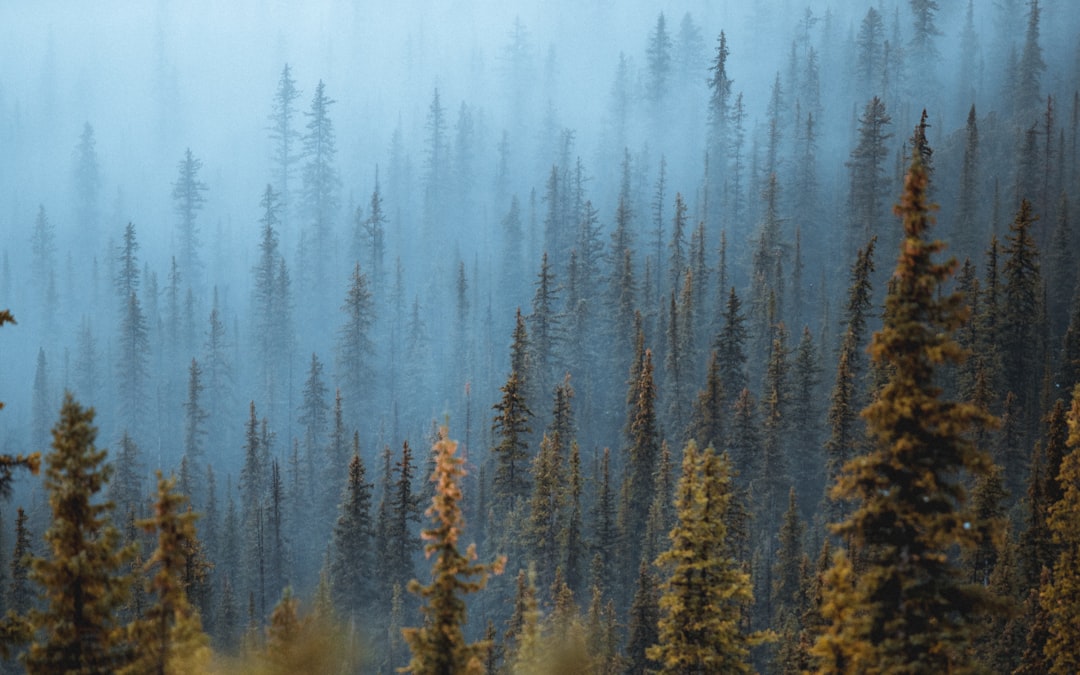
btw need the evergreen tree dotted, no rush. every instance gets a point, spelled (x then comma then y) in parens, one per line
(351, 564)
(82, 584)
(87, 179)
(194, 419)
(373, 232)
(132, 366)
(510, 426)
(707, 424)
(965, 234)
(314, 410)
(906, 607)
(658, 56)
(188, 196)
(642, 456)
(868, 43)
(705, 590)
(169, 637)
(284, 137)
(1020, 330)
(730, 347)
(868, 181)
(1061, 597)
(1030, 68)
(355, 347)
(320, 185)
(18, 595)
(439, 647)
(643, 633)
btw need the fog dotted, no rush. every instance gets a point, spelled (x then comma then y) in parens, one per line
(526, 91)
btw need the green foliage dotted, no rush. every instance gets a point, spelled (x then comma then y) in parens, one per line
(351, 564)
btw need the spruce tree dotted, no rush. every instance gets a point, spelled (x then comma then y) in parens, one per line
(510, 426)
(705, 590)
(169, 638)
(868, 180)
(351, 562)
(1060, 599)
(439, 646)
(189, 200)
(284, 137)
(355, 347)
(320, 185)
(906, 607)
(81, 579)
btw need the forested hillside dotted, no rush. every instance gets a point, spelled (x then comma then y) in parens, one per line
(690, 338)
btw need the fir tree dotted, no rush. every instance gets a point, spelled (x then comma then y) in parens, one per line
(355, 347)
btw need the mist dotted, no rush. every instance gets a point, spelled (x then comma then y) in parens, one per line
(472, 160)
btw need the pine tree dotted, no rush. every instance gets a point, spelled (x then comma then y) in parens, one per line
(705, 590)
(439, 647)
(906, 607)
(82, 585)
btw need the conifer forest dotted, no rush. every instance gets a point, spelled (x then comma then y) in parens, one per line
(568, 337)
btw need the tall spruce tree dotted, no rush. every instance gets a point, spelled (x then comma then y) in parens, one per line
(906, 608)
(1060, 599)
(189, 200)
(705, 589)
(81, 577)
(439, 647)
